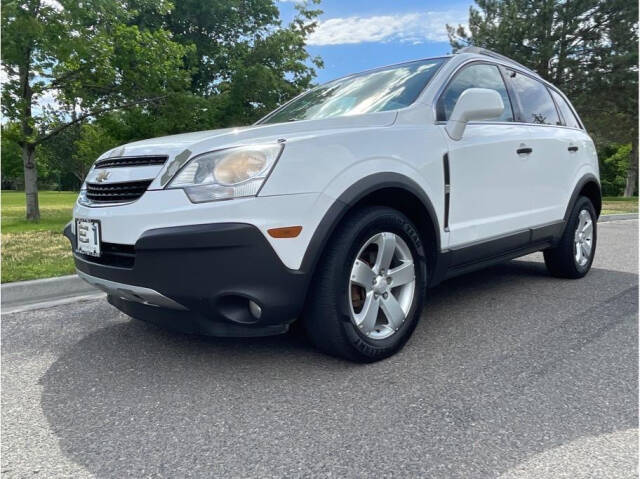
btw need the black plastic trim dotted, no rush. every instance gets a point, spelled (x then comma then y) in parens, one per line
(116, 192)
(490, 261)
(127, 161)
(213, 270)
(113, 254)
(349, 198)
(193, 323)
(462, 259)
(447, 189)
(582, 182)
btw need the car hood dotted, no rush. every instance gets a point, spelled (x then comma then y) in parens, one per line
(180, 148)
(212, 139)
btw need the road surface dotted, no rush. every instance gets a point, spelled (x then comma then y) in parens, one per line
(511, 373)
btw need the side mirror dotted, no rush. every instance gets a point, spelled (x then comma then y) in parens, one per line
(473, 104)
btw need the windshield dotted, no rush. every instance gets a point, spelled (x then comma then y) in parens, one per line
(389, 88)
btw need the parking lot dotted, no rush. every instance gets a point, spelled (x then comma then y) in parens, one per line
(511, 373)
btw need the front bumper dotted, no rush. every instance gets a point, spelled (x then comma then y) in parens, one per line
(125, 224)
(201, 279)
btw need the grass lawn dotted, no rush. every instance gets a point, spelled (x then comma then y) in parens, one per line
(612, 205)
(36, 250)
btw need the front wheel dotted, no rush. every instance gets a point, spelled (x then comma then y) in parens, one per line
(573, 255)
(369, 289)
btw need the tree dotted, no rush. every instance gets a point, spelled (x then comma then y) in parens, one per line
(92, 142)
(614, 164)
(609, 99)
(229, 34)
(69, 61)
(11, 164)
(588, 48)
(54, 159)
(245, 64)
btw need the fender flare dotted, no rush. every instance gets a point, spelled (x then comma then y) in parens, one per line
(352, 196)
(588, 178)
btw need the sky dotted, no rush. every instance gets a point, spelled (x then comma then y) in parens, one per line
(355, 35)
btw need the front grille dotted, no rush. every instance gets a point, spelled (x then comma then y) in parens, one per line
(131, 161)
(113, 254)
(116, 192)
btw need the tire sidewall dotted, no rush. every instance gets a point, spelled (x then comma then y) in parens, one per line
(583, 204)
(382, 220)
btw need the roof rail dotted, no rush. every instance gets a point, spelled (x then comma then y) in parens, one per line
(489, 53)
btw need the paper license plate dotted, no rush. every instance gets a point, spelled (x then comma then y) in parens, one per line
(88, 237)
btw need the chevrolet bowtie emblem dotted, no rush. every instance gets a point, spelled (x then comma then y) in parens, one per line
(102, 176)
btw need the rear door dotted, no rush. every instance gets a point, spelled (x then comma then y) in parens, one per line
(576, 147)
(489, 194)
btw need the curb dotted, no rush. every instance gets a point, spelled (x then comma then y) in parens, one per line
(22, 294)
(623, 216)
(44, 293)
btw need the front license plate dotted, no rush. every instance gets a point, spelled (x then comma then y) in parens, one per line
(88, 234)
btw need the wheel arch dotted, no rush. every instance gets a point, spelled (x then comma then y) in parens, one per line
(384, 189)
(588, 186)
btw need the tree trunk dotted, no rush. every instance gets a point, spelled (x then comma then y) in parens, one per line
(27, 145)
(31, 181)
(632, 172)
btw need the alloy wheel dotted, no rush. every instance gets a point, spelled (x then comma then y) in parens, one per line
(382, 285)
(583, 238)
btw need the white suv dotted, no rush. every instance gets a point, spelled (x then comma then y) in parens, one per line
(344, 205)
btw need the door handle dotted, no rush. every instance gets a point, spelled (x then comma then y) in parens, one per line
(573, 148)
(524, 151)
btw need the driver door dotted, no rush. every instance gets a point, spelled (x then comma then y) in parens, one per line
(489, 194)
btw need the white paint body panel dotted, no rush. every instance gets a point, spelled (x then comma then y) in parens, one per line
(554, 167)
(493, 190)
(490, 185)
(161, 209)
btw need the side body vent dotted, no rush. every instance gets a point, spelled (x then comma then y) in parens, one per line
(447, 189)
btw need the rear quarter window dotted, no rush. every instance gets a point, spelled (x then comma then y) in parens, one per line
(565, 110)
(536, 105)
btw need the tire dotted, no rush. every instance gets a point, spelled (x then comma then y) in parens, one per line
(569, 258)
(341, 317)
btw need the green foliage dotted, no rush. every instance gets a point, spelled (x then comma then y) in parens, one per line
(92, 142)
(545, 35)
(11, 163)
(87, 57)
(588, 48)
(107, 72)
(614, 163)
(55, 158)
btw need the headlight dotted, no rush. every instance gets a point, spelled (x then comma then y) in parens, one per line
(226, 174)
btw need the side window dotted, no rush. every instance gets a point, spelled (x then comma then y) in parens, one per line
(569, 118)
(474, 76)
(536, 105)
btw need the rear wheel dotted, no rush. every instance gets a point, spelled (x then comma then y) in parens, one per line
(573, 256)
(369, 288)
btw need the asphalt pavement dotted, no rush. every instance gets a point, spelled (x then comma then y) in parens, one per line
(511, 373)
